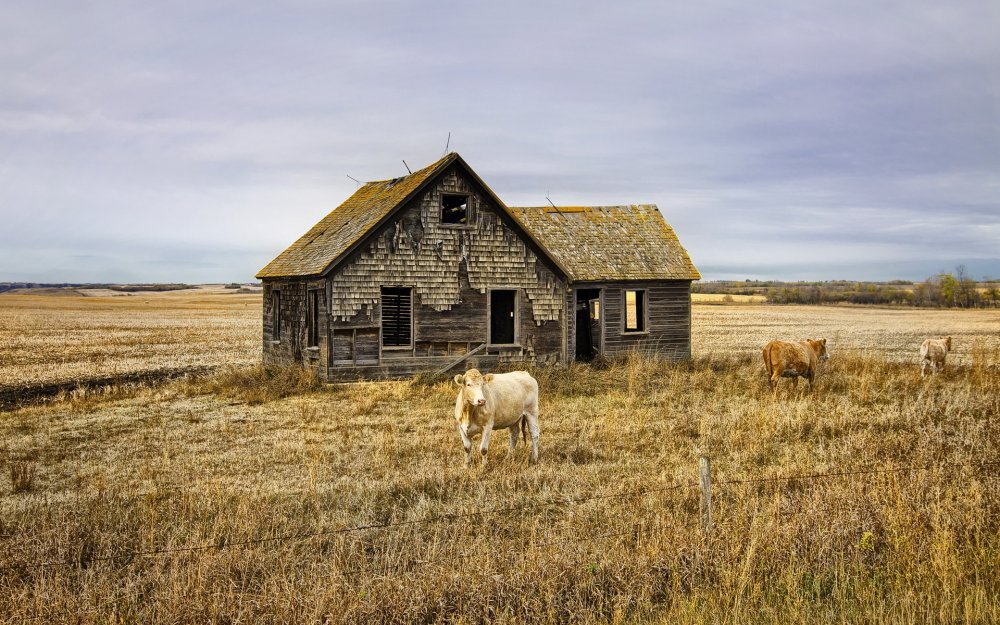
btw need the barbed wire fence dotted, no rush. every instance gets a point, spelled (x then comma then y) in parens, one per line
(705, 486)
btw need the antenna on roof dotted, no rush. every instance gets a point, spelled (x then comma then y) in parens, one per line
(354, 179)
(406, 166)
(553, 204)
(447, 143)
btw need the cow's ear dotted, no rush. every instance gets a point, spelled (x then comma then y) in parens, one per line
(460, 379)
(488, 378)
(823, 341)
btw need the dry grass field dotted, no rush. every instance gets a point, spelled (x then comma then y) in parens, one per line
(250, 496)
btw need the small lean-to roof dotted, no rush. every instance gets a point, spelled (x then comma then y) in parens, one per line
(609, 243)
(349, 223)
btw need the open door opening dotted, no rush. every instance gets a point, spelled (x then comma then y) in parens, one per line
(588, 323)
(503, 317)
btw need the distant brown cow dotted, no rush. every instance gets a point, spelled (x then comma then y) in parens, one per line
(794, 360)
(932, 354)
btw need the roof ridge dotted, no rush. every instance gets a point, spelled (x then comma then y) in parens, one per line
(436, 163)
(550, 206)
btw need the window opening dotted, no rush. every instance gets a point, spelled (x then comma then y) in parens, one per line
(276, 315)
(313, 309)
(635, 311)
(454, 209)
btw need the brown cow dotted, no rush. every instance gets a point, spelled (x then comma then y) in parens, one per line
(794, 360)
(932, 354)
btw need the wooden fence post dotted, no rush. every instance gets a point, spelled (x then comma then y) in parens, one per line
(705, 480)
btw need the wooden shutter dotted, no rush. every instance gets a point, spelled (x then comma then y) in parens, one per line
(397, 313)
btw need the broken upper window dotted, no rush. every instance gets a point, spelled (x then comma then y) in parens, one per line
(454, 209)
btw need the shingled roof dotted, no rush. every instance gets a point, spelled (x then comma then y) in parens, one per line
(605, 243)
(587, 243)
(349, 222)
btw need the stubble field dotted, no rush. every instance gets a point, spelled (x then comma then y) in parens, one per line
(255, 497)
(48, 339)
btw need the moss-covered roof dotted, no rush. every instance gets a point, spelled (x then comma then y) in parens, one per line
(609, 243)
(586, 243)
(349, 223)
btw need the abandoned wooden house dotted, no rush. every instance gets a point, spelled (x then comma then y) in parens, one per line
(431, 271)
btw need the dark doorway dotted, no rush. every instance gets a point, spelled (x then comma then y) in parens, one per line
(588, 323)
(503, 308)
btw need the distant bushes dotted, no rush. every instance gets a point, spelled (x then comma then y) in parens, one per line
(124, 288)
(944, 290)
(134, 288)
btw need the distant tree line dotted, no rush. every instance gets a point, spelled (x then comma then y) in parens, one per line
(944, 290)
(125, 288)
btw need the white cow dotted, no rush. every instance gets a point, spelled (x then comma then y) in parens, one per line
(932, 354)
(496, 402)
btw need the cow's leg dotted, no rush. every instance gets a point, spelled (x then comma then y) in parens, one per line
(484, 445)
(923, 367)
(467, 443)
(535, 430)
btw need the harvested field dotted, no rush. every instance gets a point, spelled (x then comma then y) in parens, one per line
(47, 339)
(894, 333)
(256, 497)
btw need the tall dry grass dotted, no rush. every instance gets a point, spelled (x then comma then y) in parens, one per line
(203, 468)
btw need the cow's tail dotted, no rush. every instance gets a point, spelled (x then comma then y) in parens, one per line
(767, 360)
(524, 429)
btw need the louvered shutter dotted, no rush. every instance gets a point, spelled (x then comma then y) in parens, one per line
(397, 312)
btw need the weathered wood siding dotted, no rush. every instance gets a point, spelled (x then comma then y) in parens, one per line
(668, 319)
(451, 269)
(417, 250)
(292, 347)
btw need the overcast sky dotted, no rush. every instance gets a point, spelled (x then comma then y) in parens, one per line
(193, 141)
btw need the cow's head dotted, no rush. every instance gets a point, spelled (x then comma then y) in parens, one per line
(819, 347)
(472, 386)
(947, 343)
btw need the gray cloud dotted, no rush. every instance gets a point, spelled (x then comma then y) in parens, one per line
(831, 139)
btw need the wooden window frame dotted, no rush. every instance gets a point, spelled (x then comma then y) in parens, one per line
(276, 315)
(468, 210)
(517, 317)
(381, 337)
(642, 314)
(312, 318)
